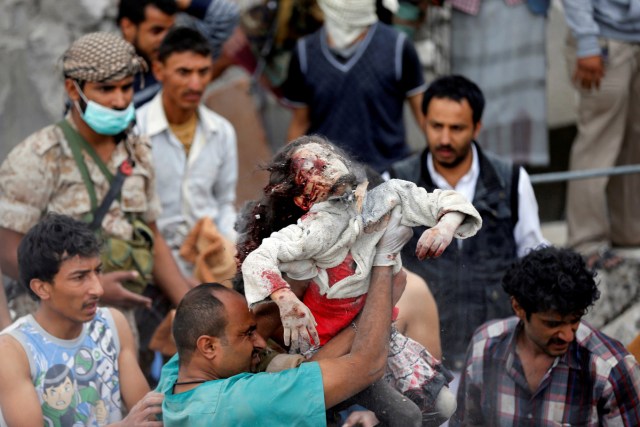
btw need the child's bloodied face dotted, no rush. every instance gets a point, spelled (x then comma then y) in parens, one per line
(320, 172)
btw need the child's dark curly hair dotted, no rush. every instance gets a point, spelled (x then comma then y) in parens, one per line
(551, 279)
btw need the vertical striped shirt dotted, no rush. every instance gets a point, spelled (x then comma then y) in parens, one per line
(595, 383)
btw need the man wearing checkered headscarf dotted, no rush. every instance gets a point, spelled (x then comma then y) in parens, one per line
(101, 57)
(42, 174)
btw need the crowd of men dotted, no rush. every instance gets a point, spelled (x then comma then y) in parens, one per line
(96, 209)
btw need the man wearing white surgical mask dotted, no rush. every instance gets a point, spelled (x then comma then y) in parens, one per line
(71, 168)
(350, 79)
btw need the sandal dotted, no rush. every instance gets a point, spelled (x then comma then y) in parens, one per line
(603, 259)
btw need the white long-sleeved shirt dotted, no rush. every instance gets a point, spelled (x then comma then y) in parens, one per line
(202, 184)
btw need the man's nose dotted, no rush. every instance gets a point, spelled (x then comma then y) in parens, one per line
(567, 333)
(258, 341)
(96, 285)
(120, 100)
(445, 136)
(196, 82)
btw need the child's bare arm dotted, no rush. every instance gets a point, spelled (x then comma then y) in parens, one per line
(435, 240)
(297, 321)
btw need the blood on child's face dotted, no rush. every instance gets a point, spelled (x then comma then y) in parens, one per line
(317, 169)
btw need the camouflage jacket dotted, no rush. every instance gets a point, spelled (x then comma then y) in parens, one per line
(40, 175)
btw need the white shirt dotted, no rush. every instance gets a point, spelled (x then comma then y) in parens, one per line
(204, 184)
(527, 233)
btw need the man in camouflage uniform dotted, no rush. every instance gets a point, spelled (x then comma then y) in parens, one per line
(40, 174)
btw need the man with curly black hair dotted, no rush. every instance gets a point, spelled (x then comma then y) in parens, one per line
(544, 366)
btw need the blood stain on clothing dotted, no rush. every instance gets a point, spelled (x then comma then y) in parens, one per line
(275, 280)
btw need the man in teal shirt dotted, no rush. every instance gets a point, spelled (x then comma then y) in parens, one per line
(209, 381)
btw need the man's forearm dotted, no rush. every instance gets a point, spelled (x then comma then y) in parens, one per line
(372, 339)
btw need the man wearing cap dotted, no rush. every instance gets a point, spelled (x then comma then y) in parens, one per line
(72, 166)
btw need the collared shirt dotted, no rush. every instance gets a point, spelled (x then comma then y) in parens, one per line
(595, 383)
(215, 19)
(526, 233)
(202, 184)
(40, 175)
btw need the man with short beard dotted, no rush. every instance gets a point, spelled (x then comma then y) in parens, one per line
(544, 366)
(465, 280)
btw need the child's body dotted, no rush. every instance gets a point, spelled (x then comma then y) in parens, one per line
(334, 246)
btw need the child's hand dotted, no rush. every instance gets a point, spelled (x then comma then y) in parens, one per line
(297, 321)
(435, 240)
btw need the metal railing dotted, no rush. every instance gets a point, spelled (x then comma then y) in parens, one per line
(545, 178)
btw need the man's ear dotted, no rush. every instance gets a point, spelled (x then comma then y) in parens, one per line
(207, 346)
(72, 90)
(476, 130)
(517, 309)
(129, 29)
(41, 288)
(157, 67)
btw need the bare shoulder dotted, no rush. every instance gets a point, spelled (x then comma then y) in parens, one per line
(119, 320)
(15, 361)
(123, 329)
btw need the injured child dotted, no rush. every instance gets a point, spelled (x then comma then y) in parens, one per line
(316, 222)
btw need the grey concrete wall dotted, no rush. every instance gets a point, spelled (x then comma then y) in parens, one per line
(33, 36)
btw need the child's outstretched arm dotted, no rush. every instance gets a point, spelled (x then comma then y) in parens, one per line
(297, 321)
(435, 240)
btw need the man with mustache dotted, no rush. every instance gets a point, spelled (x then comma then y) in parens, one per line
(144, 23)
(544, 366)
(72, 362)
(465, 280)
(194, 149)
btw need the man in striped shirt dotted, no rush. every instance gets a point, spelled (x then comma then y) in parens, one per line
(544, 367)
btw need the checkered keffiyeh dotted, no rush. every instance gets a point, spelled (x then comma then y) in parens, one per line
(101, 57)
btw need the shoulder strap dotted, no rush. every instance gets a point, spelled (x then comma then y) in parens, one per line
(515, 181)
(74, 139)
(124, 170)
(77, 143)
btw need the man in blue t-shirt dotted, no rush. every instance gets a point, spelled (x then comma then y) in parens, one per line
(210, 382)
